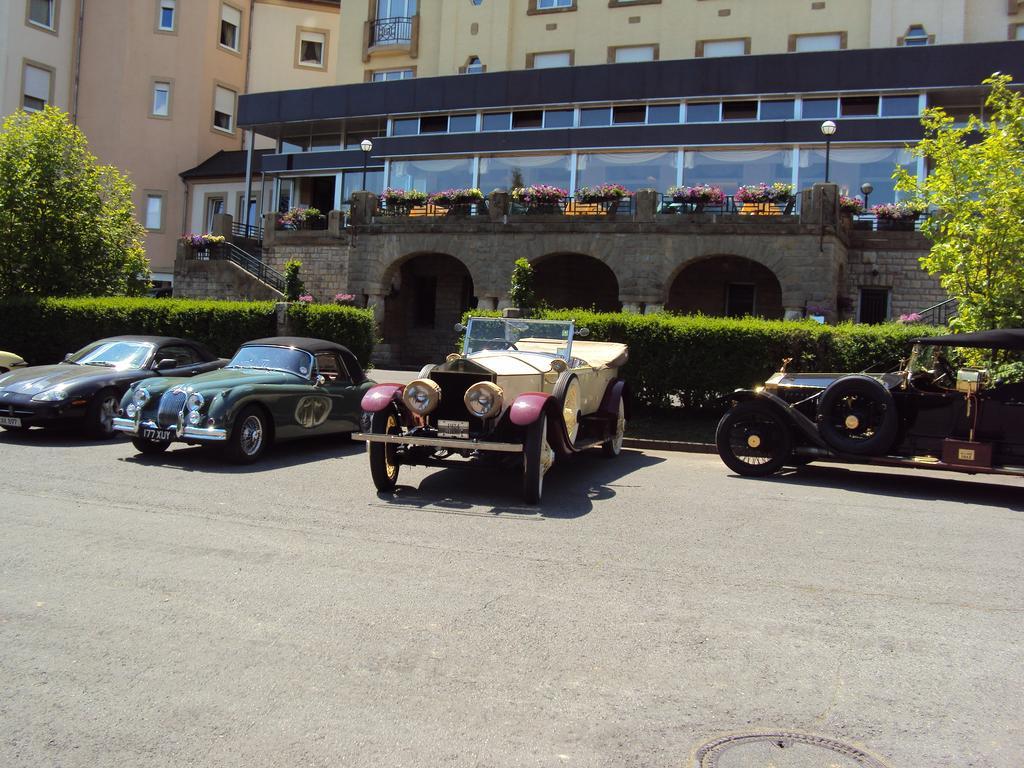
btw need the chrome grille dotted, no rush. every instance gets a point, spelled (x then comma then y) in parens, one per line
(171, 404)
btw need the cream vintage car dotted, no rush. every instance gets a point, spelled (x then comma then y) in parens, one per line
(522, 393)
(9, 361)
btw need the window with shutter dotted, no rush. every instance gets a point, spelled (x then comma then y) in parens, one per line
(37, 86)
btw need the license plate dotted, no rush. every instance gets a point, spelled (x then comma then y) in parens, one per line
(160, 435)
(449, 428)
(9, 421)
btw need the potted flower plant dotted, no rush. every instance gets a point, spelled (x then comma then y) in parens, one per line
(459, 202)
(300, 218)
(540, 198)
(607, 195)
(897, 216)
(850, 207)
(399, 202)
(202, 241)
(698, 197)
(761, 196)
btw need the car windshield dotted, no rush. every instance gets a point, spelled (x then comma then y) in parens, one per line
(553, 337)
(285, 359)
(114, 354)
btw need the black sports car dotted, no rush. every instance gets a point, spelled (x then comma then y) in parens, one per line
(87, 387)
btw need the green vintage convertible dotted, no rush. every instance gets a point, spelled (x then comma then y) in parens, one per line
(273, 389)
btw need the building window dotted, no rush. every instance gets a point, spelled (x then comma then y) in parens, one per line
(829, 41)
(739, 110)
(706, 112)
(559, 118)
(595, 117)
(224, 109)
(709, 49)
(161, 99)
(916, 35)
(1017, 31)
(630, 53)
(497, 121)
(230, 24)
(462, 123)
(662, 113)
(778, 109)
(167, 16)
(396, 9)
(543, 6)
(874, 305)
(527, 119)
(154, 211)
(473, 66)
(549, 60)
(858, 106)
(37, 87)
(214, 207)
(43, 13)
(631, 114)
(311, 48)
(819, 109)
(387, 75)
(739, 299)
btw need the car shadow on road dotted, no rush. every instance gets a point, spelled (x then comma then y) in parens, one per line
(570, 490)
(54, 437)
(922, 485)
(278, 456)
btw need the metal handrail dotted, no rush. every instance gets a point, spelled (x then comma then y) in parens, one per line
(247, 231)
(396, 30)
(877, 224)
(939, 314)
(234, 254)
(728, 207)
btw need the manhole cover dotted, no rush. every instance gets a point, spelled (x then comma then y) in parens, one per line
(782, 750)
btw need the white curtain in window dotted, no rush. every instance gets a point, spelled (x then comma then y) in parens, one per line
(37, 83)
(523, 161)
(624, 158)
(154, 211)
(830, 42)
(730, 156)
(716, 48)
(634, 53)
(547, 60)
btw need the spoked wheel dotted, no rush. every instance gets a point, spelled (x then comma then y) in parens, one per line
(99, 418)
(150, 447)
(753, 440)
(383, 466)
(857, 414)
(250, 436)
(538, 456)
(613, 447)
(568, 394)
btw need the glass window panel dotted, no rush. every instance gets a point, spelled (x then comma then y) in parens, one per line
(777, 110)
(559, 118)
(405, 127)
(663, 113)
(739, 110)
(532, 118)
(703, 113)
(41, 12)
(829, 42)
(849, 168)
(161, 99)
(545, 5)
(392, 74)
(432, 175)
(502, 172)
(858, 106)
(594, 117)
(631, 114)
(167, 14)
(729, 169)
(327, 142)
(154, 211)
(497, 121)
(311, 48)
(434, 124)
(352, 181)
(899, 106)
(634, 170)
(717, 48)
(294, 144)
(548, 60)
(816, 109)
(634, 53)
(461, 123)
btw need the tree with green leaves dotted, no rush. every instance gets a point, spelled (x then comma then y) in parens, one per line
(521, 286)
(976, 188)
(67, 223)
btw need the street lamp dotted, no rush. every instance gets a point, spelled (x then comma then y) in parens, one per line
(867, 188)
(367, 146)
(828, 129)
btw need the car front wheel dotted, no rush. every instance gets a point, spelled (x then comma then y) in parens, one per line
(99, 418)
(383, 467)
(753, 440)
(249, 437)
(613, 447)
(538, 457)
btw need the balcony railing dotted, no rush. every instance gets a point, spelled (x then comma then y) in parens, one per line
(728, 207)
(870, 222)
(247, 231)
(396, 30)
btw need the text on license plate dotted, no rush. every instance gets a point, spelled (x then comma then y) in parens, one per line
(9, 421)
(156, 434)
(450, 428)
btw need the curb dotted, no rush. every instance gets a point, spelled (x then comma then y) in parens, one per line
(668, 445)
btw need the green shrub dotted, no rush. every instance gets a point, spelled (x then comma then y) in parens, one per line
(293, 285)
(692, 360)
(44, 330)
(350, 326)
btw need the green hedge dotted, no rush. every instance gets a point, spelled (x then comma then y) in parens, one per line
(44, 330)
(693, 359)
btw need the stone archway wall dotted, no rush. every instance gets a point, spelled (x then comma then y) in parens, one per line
(573, 280)
(702, 286)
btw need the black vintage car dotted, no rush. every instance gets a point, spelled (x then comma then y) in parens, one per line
(86, 388)
(927, 415)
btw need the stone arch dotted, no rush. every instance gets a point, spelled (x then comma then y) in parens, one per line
(571, 280)
(725, 285)
(425, 294)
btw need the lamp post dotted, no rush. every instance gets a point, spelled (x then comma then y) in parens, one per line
(828, 129)
(867, 188)
(367, 146)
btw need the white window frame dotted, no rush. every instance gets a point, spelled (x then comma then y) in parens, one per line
(551, 5)
(168, 86)
(54, 6)
(540, 56)
(151, 196)
(237, 48)
(161, 6)
(315, 36)
(629, 50)
(234, 108)
(819, 36)
(720, 49)
(385, 72)
(50, 72)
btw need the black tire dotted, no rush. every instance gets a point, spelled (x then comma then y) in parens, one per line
(754, 440)
(250, 436)
(613, 446)
(16, 430)
(533, 460)
(857, 415)
(150, 447)
(99, 416)
(383, 467)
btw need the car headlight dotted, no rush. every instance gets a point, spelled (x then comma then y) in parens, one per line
(51, 396)
(131, 410)
(422, 396)
(141, 397)
(194, 417)
(195, 401)
(484, 399)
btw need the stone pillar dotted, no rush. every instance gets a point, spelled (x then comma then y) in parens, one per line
(269, 228)
(504, 303)
(633, 307)
(375, 301)
(281, 316)
(487, 302)
(819, 206)
(335, 223)
(497, 205)
(222, 225)
(646, 204)
(654, 308)
(364, 206)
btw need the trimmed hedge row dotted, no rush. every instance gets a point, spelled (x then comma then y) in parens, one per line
(692, 360)
(44, 330)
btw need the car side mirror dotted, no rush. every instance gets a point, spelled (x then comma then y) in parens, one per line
(583, 332)
(321, 380)
(459, 327)
(166, 364)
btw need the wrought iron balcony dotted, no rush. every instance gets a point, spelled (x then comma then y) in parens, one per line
(396, 30)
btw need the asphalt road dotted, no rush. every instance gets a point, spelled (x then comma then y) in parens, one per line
(177, 611)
